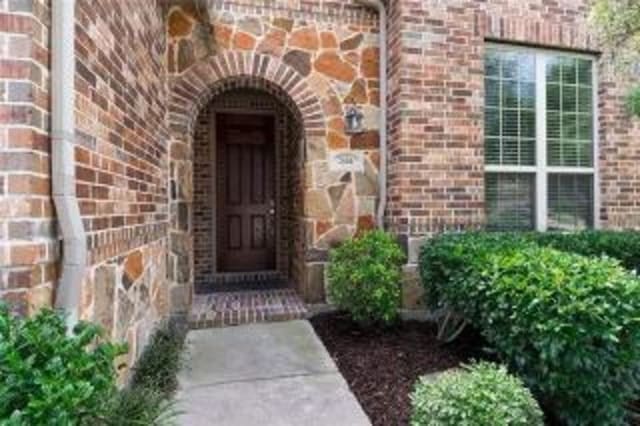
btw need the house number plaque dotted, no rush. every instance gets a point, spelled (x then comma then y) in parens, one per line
(346, 161)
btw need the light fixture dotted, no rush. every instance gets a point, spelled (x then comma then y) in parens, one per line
(353, 120)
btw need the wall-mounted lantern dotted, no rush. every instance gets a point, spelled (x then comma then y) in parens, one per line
(353, 118)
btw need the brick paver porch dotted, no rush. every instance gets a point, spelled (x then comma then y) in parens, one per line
(245, 307)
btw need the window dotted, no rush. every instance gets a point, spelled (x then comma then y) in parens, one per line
(539, 139)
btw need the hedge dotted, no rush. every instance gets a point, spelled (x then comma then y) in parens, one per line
(569, 325)
(621, 245)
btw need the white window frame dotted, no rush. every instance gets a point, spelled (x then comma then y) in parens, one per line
(541, 169)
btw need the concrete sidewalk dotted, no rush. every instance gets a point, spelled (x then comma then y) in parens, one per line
(276, 374)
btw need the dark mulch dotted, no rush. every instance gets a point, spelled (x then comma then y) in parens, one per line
(381, 365)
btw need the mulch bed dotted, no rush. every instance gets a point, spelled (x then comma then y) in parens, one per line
(381, 365)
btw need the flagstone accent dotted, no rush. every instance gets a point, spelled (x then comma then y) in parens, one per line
(314, 70)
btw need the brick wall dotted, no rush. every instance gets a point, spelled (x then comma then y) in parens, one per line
(28, 247)
(122, 164)
(437, 98)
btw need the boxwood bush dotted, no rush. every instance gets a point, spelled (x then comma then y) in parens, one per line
(481, 395)
(568, 324)
(365, 277)
(621, 245)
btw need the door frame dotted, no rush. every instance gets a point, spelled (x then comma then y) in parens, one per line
(213, 140)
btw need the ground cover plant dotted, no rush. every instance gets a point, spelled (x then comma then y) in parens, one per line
(481, 394)
(566, 323)
(148, 398)
(364, 277)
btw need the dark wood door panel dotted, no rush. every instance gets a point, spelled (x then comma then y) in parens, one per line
(246, 193)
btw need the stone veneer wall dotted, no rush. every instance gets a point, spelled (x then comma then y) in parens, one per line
(122, 165)
(28, 247)
(318, 57)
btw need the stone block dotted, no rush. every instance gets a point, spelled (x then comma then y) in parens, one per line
(314, 283)
(412, 289)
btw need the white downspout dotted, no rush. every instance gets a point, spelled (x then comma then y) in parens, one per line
(74, 254)
(382, 174)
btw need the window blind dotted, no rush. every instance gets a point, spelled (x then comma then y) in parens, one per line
(570, 201)
(539, 139)
(510, 199)
(510, 115)
(569, 112)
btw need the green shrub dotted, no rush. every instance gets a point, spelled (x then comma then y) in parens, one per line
(621, 245)
(365, 277)
(568, 324)
(160, 361)
(48, 377)
(452, 254)
(480, 395)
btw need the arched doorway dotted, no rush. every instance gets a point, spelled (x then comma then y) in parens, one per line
(248, 176)
(334, 203)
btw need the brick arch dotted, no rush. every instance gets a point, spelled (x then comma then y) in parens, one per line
(190, 93)
(193, 89)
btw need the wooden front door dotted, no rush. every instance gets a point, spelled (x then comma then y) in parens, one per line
(246, 192)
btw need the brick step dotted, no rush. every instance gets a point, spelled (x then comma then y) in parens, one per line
(245, 307)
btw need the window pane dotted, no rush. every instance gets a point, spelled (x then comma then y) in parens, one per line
(510, 100)
(492, 63)
(553, 125)
(585, 76)
(492, 150)
(585, 99)
(585, 126)
(569, 126)
(509, 61)
(492, 87)
(570, 92)
(527, 95)
(570, 202)
(569, 71)
(510, 151)
(554, 69)
(510, 122)
(527, 124)
(527, 151)
(553, 97)
(491, 122)
(510, 201)
(569, 96)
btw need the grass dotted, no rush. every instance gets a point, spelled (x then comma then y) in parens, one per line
(148, 399)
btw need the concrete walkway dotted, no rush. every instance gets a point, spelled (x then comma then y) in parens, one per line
(275, 374)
